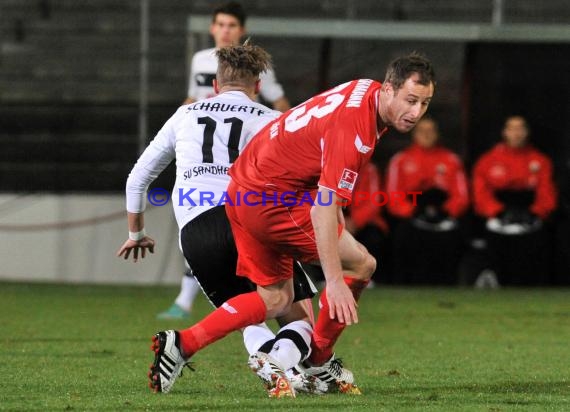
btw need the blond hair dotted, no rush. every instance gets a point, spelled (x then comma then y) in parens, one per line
(241, 65)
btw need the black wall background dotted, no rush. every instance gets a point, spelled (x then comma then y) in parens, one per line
(526, 79)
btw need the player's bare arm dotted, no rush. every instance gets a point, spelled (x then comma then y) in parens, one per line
(134, 244)
(325, 219)
(340, 216)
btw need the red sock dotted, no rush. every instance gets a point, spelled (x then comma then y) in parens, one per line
(243, 310)
(328, 330)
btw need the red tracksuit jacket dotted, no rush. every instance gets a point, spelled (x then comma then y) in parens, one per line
(419, 169)
(507, 168)
(367, 212)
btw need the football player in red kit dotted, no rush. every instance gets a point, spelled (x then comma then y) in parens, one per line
(319, 147)
(427, 241)
(315, 150)
(513, 190)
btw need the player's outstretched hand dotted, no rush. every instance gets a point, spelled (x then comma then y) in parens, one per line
(342, 305)
(134, 246)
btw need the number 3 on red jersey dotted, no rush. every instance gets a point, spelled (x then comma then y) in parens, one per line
(300, 117)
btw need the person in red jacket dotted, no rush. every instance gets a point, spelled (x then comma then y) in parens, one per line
(425, 166)
(513, 190)
(427, 241)
(516, 166)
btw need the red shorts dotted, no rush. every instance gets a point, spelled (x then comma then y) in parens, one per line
(268, 236)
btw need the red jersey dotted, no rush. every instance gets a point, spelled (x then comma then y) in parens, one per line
(420, 169)
(368, 212)
(325, 141)
(507, 168)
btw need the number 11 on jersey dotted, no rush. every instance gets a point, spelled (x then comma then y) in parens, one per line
(208, 141)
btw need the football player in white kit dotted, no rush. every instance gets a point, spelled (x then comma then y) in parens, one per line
(205, 138)
(227, 28)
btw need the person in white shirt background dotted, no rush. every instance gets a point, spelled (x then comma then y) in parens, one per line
(227, 29)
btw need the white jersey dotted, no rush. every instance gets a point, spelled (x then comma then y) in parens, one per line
(203, 71)
(205, 138)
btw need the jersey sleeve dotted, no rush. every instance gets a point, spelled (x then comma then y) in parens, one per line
(364, 212)
(484, 201)
(156, 157)
(401, 206)
(269, 89)
(458, 200)
(546, 196)
(341, 159)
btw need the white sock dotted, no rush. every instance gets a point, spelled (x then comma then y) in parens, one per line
(289, 352)
(189, 288)
(256, 335)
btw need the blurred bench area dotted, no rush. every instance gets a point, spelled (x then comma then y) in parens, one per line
(74, 112)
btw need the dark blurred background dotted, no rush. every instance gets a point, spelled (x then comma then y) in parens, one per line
(70, 79)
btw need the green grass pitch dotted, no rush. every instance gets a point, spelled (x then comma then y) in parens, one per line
(87, 348)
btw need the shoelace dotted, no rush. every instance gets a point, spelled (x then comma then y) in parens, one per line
(336, 368)
(276, 369)
(189, 365)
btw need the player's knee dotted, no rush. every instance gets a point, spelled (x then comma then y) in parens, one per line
(366, 266)
(370, 265)
(283, 305)
(279, 303)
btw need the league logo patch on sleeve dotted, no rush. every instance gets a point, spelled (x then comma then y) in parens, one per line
(347, 180)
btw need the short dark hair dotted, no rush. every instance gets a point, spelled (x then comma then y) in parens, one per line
(233, 8)
(428, 118)
(520, 117)
(400, 69)
(241, 65)
(515, 116)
